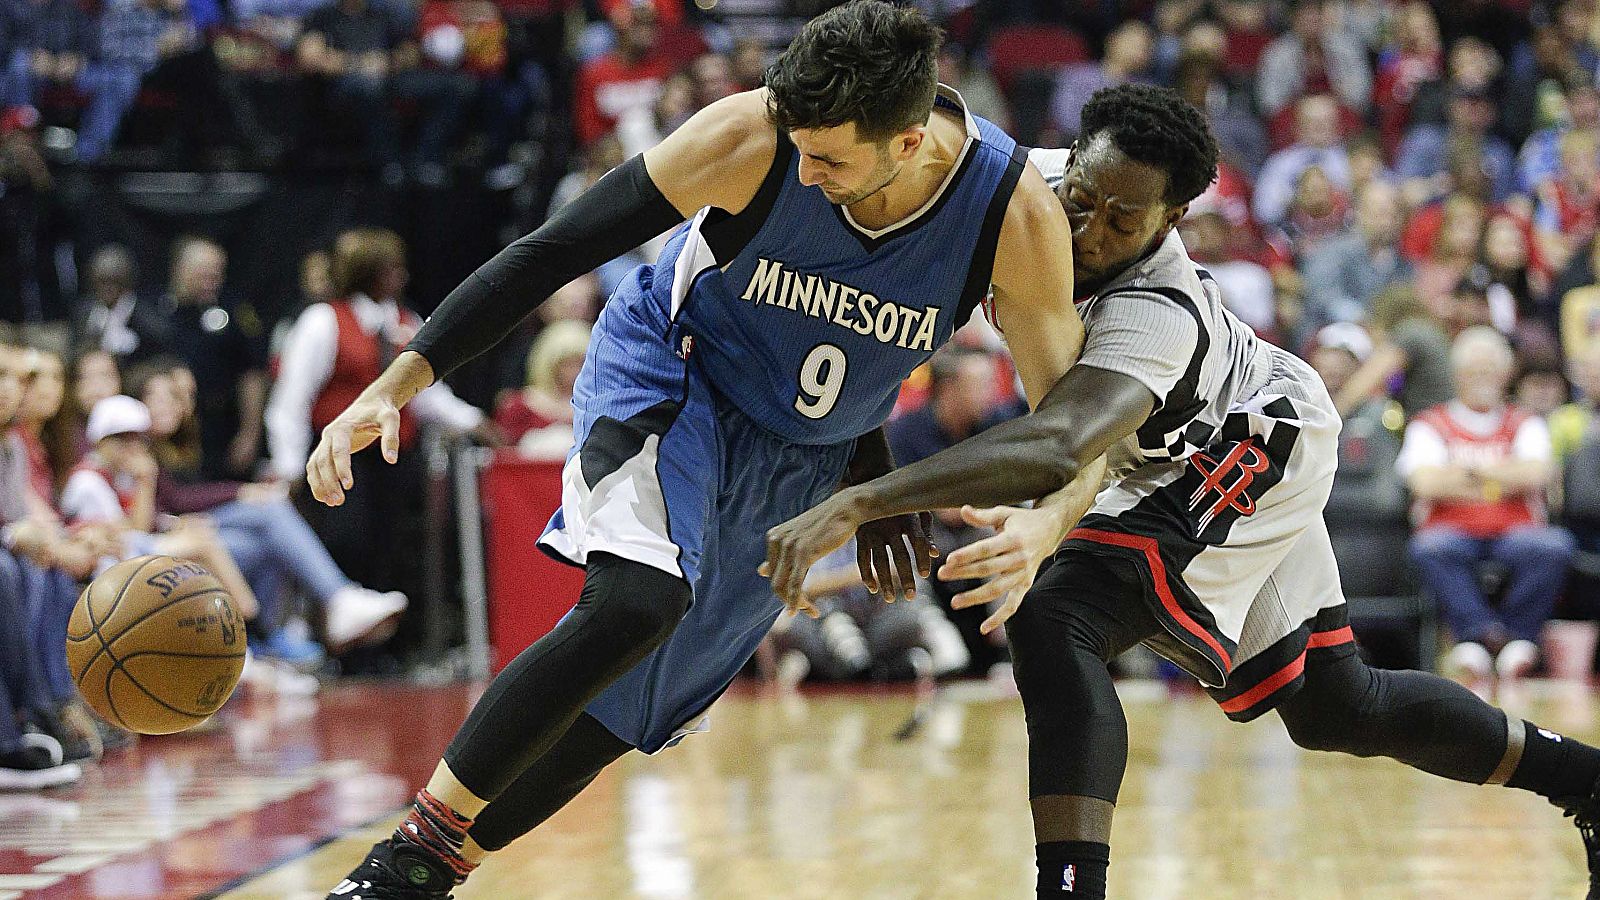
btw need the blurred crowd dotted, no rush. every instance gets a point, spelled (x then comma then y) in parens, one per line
(1409, 198)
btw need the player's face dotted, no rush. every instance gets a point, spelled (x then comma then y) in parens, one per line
(1116, 208)
(847, 169)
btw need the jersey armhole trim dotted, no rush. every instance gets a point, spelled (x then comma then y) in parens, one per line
(728, 234)
(981, 271)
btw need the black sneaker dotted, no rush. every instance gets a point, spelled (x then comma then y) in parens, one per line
(36, 764)
(396, 870)
(1585, 813)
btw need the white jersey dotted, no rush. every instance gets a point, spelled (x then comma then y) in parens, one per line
(1217, 499)
(1162, 322)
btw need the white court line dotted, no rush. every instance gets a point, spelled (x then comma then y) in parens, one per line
(74, 865)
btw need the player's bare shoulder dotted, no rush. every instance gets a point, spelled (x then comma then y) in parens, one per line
(719, 156)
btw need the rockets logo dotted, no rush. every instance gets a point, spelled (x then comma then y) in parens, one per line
(1228, 480)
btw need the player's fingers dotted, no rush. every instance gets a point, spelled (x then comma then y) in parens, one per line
(906, 584)
(983, 594)
(864, 564)
(990, 517)
(994, 545)
(337, 437)
(791, 576)
(882, 573)
(923, 549)
(389, 421)
(1006, 611)
(321, 478)
(1006, 564)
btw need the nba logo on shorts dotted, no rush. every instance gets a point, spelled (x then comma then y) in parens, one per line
(1069, 877)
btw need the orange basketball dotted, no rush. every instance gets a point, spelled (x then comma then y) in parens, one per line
(155, 644)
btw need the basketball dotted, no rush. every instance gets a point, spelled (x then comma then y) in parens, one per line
(155, 644)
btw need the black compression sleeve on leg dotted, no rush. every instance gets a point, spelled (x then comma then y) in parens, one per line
(1079, 614)
(549, 784)
(1423, 720)
(626, 610)
(621, 211)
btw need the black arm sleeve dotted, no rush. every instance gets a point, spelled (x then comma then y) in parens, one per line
(621, 211)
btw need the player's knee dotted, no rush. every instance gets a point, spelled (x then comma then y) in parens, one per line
(1311, 730)
(641, 603)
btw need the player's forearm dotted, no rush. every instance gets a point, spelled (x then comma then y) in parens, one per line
(1023, 459)
(623, 210)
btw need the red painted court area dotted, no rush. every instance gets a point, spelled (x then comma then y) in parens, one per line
(187, 815)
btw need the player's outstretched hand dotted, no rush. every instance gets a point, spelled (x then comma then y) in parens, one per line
(795, 545)
(1009, 559)
(369, 418)
(879, 541)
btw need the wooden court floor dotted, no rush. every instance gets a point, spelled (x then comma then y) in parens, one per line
(814, 796)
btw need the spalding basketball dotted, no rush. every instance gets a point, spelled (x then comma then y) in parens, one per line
(155, 644)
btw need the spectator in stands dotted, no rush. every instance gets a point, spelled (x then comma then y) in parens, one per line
(1478, 469)
(1559, 47)
(1200, 78)
(961, 399)
(367, 53)
(48, 563)
(36, 761)
(538, 418)
(112, 318)
(335, 350)
(1567, 208)
(1575, 443)
(1539, 161)
(1424, 155)
(1515, 282)
(223, 347)
(40, 425)
(114, 489)
(1452, 253)
(1410, 359)
(1344, 274)
(48, 43)
(1366, 489)
(639, 129)
(1246, 285)
(1580, 315)
(629, 77)
(1129, 52)
(1317, 143)
(1414, 58)
(267, 538)
(1317, 214)
(1540, 388)
(860, 636)
(1317, 55)
(135, 37)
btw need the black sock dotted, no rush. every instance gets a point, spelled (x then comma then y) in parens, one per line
(1075, 869)
(1554, 766)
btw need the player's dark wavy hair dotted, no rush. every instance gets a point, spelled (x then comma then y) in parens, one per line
(1155, 126)
(867, 62)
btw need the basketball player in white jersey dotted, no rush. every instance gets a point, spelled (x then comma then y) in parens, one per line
(1207, 544)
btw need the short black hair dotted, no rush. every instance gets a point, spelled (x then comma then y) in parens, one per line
(1155, 126)
(867, 62)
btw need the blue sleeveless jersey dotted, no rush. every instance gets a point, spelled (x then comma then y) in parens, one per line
(809, 323)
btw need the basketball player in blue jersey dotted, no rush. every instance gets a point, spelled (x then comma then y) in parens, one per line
(842, 223)
(1207, 544)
